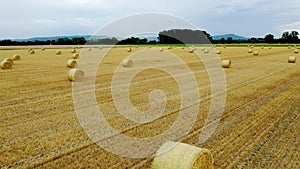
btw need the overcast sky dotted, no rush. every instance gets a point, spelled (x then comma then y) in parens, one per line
(250, 18)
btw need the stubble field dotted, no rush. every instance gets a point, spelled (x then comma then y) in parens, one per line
(259, 128)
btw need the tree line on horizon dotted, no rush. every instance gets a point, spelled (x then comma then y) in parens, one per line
(173, 36)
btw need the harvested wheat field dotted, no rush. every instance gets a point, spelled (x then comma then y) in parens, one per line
(259, 128)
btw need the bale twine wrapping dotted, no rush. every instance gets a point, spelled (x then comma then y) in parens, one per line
(292, 59)
(173, 155)
(16, 57)
(296, 51)
(5, 65)
(58, 52)
(127, 63)
(255, 53)
(9, 60)
(226, 63)
(32, 52)
(76, 56)
(71, 63)
(75, 75)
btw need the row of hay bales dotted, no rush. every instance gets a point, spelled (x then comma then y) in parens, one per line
(7, 63)
(129, 63)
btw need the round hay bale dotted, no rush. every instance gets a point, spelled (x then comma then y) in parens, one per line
(296, 51)
(42, 49)
(270, 47)
(73, 51)
(32, 52)
(5, 65)
(58, 52)
(127, 63)
(250, 51)
(28, 50)
(292, 59)
(16, 57)
(169, 47)
(191, 50)
(206, 51)
(90, 49)
(136, 47)
(71, 63)
(129, 50)
(11, 61)
(219, 52)
(182, 156)
(161, 49)
(226, 63)
(289, 47)
(224, 47)
(255, 53)
(262, 47)
(76, 55)
(75, 75)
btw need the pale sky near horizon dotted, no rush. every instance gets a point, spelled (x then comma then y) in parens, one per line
(251, 18)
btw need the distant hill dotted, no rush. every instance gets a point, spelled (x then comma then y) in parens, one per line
(234, 37)
(87, 37)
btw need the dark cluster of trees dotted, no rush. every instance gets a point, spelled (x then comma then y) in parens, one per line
(60, 41)
(173, 36)
(184, 36)
(287, 37)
